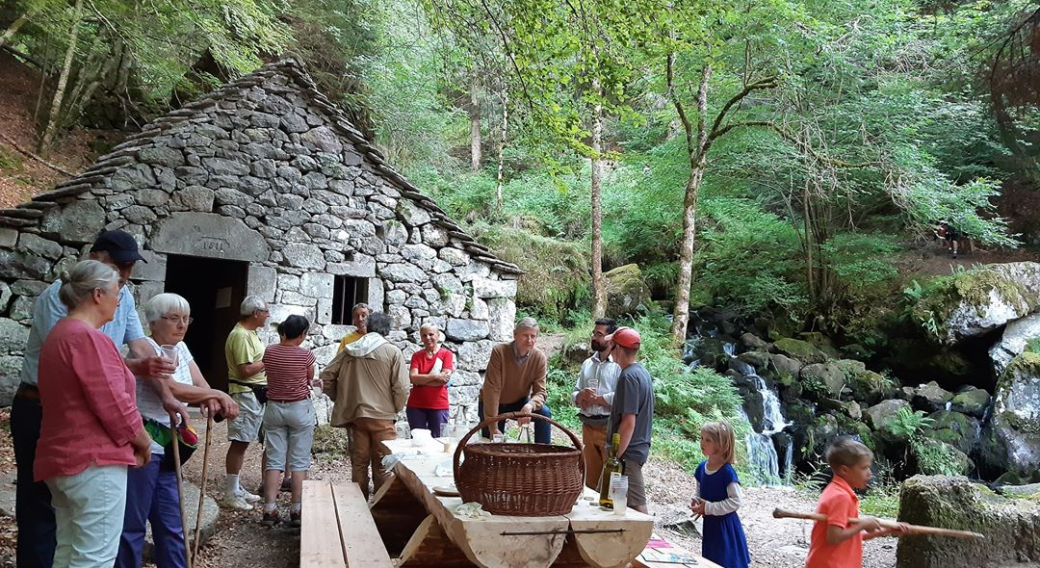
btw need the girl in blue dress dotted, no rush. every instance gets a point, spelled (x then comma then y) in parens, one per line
(719, 497)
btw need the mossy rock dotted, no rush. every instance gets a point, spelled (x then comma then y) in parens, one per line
(1011, 526)
(971, 401)
(757, 359)
(933, 457)
(1016, 412)
(850, 367)
(802, 351)
(869, 387)
(825, 380)
(882, 417)
(959, 430)
(977, 301)
(821, 342)
(626, 290)
(783, 368)
(930, 397)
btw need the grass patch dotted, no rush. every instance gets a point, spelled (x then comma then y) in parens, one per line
(330, 444)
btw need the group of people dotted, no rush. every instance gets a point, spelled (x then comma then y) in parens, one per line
(95, 440)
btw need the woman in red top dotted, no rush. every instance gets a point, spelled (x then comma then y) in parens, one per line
(91, 430)
(430, 372)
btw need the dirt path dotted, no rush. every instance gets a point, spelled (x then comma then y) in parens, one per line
(241, 542)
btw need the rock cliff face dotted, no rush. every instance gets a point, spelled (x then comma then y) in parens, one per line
(266, 172)
(1011, 526)
(1016, 413)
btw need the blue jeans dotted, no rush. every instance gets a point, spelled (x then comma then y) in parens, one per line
(151, 496)
(431, 420)
(542, 429)
(33, 510)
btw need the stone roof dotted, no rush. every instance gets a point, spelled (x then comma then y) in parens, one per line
(93, 180)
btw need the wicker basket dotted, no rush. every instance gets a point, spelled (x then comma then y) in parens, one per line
(523, 480)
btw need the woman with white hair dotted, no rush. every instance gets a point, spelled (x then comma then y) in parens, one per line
(91, 431)
(152, 490)
(430, 373)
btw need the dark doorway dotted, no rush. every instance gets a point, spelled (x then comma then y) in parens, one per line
(215, 289)
(347, 292)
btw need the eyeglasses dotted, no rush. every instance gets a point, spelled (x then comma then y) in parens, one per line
(186, 320)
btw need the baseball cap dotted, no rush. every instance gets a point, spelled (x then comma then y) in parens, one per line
(625, 337)
(120, 246)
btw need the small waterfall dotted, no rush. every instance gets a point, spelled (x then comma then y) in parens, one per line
(774, 420)
(763, 462)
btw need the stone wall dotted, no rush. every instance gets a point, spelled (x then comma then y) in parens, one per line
(265, 171)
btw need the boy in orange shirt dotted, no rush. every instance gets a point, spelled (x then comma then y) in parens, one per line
(838, 542)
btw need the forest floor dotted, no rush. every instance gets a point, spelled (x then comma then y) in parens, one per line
(241, 542)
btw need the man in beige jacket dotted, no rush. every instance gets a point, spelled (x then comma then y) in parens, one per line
(368, 383)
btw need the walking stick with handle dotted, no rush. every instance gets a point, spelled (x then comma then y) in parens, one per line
(202, 490)
(913, 529)
(180, 494)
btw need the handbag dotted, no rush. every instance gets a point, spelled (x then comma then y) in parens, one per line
(186, 438)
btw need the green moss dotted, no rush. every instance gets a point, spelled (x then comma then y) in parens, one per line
(937, 300)
(801, 350)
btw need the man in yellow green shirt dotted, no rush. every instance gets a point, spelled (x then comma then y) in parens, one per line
(358, 317)
(247, 385)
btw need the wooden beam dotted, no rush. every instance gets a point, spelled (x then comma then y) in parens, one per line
(362, 546)
(319, 533)
(429, 546)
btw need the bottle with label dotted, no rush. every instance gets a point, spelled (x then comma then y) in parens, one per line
(611, 465)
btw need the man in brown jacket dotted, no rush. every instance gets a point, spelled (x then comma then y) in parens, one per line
(515, 381)
(368, 383)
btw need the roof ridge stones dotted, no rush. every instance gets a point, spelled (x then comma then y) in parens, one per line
(125, 153)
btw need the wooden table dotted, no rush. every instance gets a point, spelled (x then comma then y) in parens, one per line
(422, 529)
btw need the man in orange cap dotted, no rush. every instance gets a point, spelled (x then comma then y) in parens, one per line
(632, 413)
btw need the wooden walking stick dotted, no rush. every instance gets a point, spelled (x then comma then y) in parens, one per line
(180, 494)
(202, 490)
(913, 529)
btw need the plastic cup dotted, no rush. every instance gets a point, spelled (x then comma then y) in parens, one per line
(619, 494)
(498, 438)
(594, 384)
(169, 352)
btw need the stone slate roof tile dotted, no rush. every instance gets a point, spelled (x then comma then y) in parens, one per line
(284, 77)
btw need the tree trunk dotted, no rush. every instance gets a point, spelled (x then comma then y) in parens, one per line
(697, 148)
(63, 79)
(501, 152)
(599, 306)
(13, 28)
(474, 125)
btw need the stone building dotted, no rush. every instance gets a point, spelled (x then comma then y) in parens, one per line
(263, 187)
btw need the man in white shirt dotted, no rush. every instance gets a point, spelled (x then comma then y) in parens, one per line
(593, 394)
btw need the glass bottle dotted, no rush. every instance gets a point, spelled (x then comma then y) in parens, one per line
(611, 465)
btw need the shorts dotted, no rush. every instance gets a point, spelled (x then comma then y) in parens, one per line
(246, 426)
(636, 485)
(289, 434)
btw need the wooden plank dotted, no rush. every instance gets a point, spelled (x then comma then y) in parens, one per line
(362, 546)
(397, 514)
(608, 549)
(430, 547)
(320, 545)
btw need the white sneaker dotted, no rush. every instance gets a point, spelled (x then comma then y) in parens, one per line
(248, 497)
(234, 502)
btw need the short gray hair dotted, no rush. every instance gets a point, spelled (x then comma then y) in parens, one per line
(252, 304)
(359, 306)
(163, 304)
(79, 282)
(379, 323)
(431, 327)
(526, 323)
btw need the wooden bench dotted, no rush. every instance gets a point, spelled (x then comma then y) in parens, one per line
(337, 528)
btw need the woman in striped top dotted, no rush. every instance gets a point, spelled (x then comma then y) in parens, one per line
(289, 418)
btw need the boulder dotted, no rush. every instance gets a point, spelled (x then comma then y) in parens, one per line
(930, 397)
(576, 353)
(971, 401)
(753, 342)
(821, 342)
(978, 301)
(958, 430)
(782, 367)
(802, 351)
(933, 457)
(626, 290)
(882, 417)
(824, 379)
(1011, 526)
(850, 366)
(1016, 336)
(869, 387)
(1016, 412)
(757, 359)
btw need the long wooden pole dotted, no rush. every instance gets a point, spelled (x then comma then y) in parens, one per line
(180, 495)
(913, 529)
(202, 490)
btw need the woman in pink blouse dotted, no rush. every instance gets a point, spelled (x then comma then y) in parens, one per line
(91, 430)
